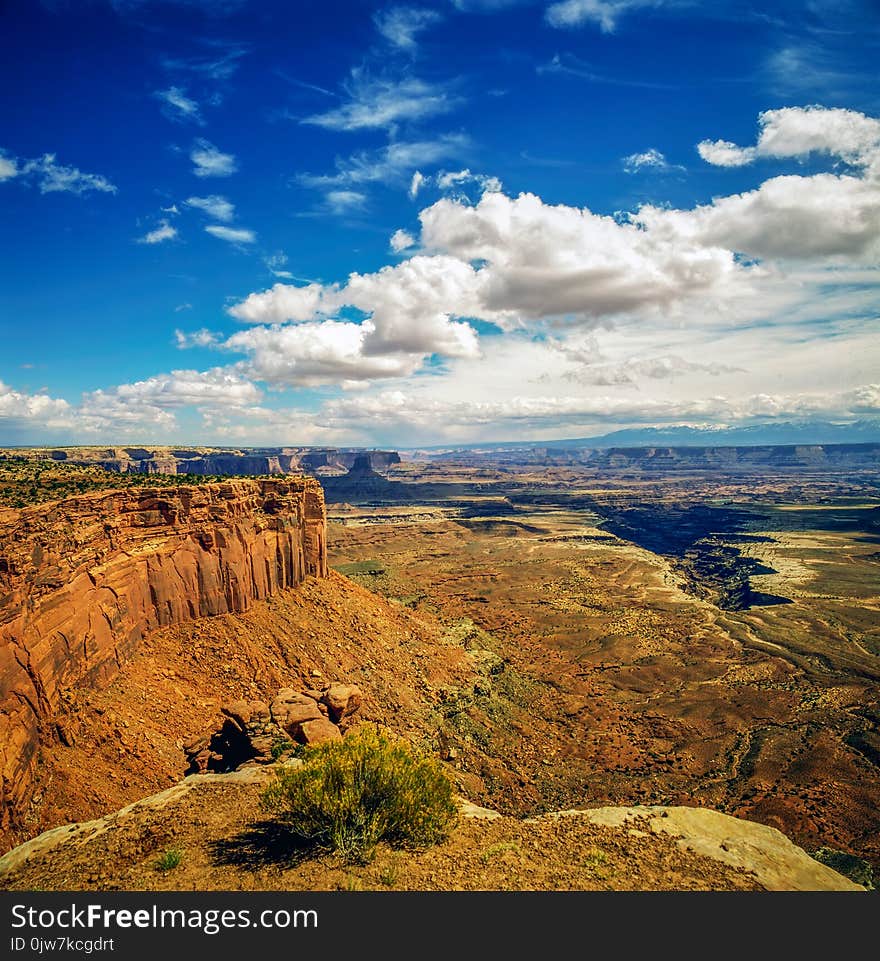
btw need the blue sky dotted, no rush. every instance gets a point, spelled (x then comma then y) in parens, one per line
(240, 222)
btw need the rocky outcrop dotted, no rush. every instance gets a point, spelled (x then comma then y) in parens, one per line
(219, 461)
(258, 733)
(82, 580)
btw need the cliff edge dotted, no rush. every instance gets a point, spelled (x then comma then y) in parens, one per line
(83, 579)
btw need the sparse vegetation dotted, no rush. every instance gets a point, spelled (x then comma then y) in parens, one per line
(280, 747)
(25, 481)
(856, 869)
(169, 860)
(369, 787)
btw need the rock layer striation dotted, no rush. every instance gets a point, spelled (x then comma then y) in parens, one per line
(82, 580)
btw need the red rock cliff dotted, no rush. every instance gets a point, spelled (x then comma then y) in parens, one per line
(83, 579)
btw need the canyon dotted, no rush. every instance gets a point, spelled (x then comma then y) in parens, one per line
(82, 581)
(559, 636)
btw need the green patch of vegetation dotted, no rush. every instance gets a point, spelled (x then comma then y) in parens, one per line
(280, 747)
(372, 568)
(25, 481)
(369, 787)
(169, 860)
(499, 850)
(850, 866)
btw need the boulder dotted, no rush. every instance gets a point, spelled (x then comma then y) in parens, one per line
(317, 731)
(291, 708)
(342, 700)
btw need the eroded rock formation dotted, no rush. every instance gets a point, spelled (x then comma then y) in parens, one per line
(82, 580)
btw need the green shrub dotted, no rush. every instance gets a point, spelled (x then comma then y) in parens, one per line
(369, 787)
(169, 860)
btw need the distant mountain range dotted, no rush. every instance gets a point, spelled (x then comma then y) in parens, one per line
(755, 435)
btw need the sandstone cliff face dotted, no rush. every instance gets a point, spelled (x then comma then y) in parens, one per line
(83, 579)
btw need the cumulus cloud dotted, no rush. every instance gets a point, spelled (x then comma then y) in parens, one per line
(163, 232)
(22, 409)
(281, 304)
(401, 25)
(197, 338)
(377, 102)
(799, 131)
(218, 387)
(401, 240)
(210, 162)
(232, 235)
(823, 217)
(312, 354)
(214, 206)
(178, 106)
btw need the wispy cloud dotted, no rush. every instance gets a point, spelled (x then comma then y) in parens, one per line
(178, 106)
(220, 63)
(575, 67)
(163, 232)
(401, 25)
(51, 177)
(277, 264)
(345, 201)
(650, 159)
(603, 13)
(233, 235)
(210, 162)
(377, 102)
(391, 164)
(214, 206)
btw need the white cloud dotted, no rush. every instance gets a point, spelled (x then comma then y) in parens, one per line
(197, 338)
(799, 131)
(276, 265)
(823, 217)
(557, 261)
(218, 387)
(210, 162)
(281, 304)
(651, 158)
(401, 240)
(723, 153)
(312, 354)
(178, 106)
(376, 102)
(181, 307)
(8, 167)
(51, 177)
(604, 13)
(390, 164)
(411, 414)
(415, 185)
(233, 235)
(448, 180)
(163, 232)
(214, 206)
(400, 25)
(345, 201)
(22, 409)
